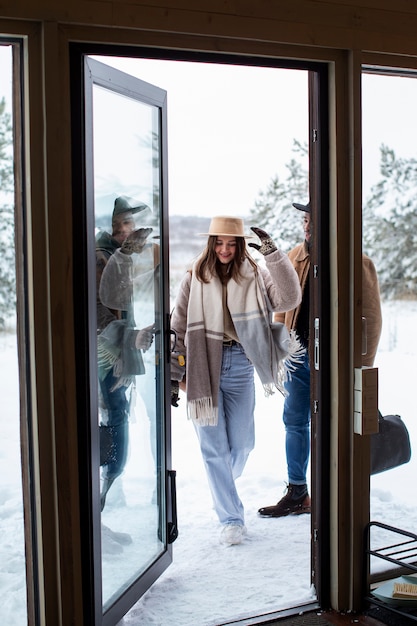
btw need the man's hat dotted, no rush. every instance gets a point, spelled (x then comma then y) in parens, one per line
(123, 204)
(302, 207)
(227, 227)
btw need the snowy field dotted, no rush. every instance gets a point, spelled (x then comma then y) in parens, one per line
(208, 583)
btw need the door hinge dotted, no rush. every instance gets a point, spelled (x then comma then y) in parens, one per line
(315, 406)
(315, 135)
(315, 271)
(315, 534)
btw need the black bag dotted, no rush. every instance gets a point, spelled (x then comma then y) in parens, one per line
(390, 446)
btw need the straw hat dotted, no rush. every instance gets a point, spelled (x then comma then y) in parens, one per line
(227, 227)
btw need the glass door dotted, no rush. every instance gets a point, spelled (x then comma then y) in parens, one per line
(132, 494)
(16, 418)
(389, 213)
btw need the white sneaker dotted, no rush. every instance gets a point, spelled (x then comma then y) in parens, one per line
(233, 534)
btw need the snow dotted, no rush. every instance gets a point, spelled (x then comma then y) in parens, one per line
(208, 583)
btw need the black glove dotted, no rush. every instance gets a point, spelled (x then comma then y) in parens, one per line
(267, 244)
(136, 241)
(175, 392)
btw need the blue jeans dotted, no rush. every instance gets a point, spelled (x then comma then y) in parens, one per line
(296, 417)
(226, 447)
(117, 405)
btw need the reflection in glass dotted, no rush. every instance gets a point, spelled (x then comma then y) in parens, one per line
(126, 177)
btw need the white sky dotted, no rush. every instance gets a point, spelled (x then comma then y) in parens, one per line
(5, 71)
(388, 117)
(231, 128)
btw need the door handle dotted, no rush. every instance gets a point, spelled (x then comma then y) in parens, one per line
(172, 526)
(364, 336)
(316, 343)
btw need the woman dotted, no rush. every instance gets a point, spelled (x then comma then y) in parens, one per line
(222, 326)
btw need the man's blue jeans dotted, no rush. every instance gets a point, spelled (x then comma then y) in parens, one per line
(296, 417)
(117, 406)
(226, 447)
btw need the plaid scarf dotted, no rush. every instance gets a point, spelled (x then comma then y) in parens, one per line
(265, 346)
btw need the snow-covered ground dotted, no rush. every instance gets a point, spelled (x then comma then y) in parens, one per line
(208, 584)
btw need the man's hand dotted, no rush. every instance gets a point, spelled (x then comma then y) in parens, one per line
(267, 244)
(144, 338)
(136, 241)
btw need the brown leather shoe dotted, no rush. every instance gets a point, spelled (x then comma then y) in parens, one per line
(288, 505)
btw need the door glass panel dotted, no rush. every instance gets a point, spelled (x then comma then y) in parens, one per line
(127, 224)
(12, 549)
(243, 152)
(389, 218)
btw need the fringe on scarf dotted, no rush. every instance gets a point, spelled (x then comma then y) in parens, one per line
(296, 352)
(202, 412)
(122, 380)
(108, 360)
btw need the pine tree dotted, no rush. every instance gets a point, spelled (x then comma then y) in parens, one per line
(390, 226)
(7, 250)
(273, 210)
(389, 217)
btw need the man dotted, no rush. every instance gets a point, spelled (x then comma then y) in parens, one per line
(119, 343)
(296, 413)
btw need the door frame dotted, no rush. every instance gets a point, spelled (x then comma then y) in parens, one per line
(49, 166)
(319, 334)
(319, 183)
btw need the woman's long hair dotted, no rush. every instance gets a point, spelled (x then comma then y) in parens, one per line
(209, 265)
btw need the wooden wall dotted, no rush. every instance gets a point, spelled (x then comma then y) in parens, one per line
(370, 25)
(342, 32)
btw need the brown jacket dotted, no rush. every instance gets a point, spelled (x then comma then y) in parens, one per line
(371, 301)
(371, 309)
(300, 258)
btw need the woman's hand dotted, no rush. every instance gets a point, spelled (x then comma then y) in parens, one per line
(267, 244)
(144, 338)
(136, 241)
